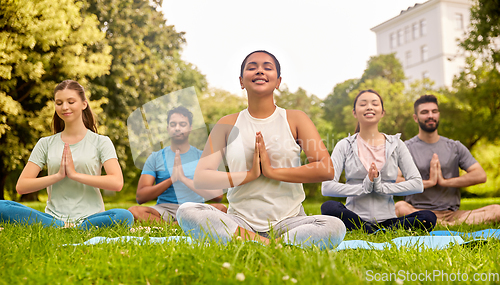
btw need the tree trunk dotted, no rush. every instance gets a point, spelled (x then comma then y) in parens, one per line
(2, 186)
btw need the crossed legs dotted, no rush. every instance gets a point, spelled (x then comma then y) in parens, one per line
(204, 221)
(424, 220)
(14, 212)
(165, 212)
(487, 214)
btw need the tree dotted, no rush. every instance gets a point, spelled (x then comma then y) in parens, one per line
(472, 112)
(334, 105)
(216, 103)
(485, 30)
(474, 102)
(386, 66)
(313, 107)
(299, 100)
(146, 65)
(398, 107)
(384, 74)
(41, 44)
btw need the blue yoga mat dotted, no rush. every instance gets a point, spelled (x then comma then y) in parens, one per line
(437, 240)
(489, 233)
(420, 242)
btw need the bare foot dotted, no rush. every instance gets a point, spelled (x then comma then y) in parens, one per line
(68, 225)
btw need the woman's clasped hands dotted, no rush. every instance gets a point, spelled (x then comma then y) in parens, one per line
(372, 172)
(67, 168)
(261, 161)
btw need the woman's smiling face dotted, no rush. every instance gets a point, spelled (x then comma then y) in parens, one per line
(69, 105)
(368, 108)
(260, 74)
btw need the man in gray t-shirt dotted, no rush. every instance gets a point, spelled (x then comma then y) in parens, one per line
(438, 159)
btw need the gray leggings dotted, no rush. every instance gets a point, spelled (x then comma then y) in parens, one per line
(204, 221)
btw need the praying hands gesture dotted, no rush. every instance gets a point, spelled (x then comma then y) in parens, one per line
(262, 165)
(263, 157)
(260, 148)
(372, 172)
(29, 181)
(178, 172)
(67, 168)
(434, 172)
(113, 180)
(436, 175)
(475, 175)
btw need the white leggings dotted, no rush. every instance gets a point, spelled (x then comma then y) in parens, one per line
(204, 221)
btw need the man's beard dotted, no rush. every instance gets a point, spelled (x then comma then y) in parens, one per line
(427, 129)
(179, 140)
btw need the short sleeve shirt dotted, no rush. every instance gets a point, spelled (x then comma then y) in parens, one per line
(452, 156)
(70, 200)
(178, 192)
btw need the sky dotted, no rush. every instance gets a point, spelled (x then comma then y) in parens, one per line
(319, 43)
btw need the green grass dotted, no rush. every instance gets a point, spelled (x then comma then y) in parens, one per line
(34, 255)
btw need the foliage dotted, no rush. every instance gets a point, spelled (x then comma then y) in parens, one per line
(385, 75)
(485, 30)
(313, 107)
(299, 100)
(386, 66)
(310, 104)
(334, 105)
(41, 44)
(398, 106)
(217, 103)
(488, 154)
(472, 112)
(146, 65)
(30, 249)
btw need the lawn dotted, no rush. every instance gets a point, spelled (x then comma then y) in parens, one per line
(33, 255)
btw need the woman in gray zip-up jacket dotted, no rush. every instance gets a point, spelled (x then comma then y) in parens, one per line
(370, 203)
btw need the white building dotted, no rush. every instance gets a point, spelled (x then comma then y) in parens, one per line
(424, 38)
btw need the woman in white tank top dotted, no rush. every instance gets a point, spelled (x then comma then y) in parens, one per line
(262, 146)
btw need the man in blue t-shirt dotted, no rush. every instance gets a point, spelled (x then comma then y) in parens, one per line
(167, 175)
(438, 159)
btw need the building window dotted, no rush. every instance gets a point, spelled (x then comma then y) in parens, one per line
(415, 30)
(424, 52)
(408, 58)
(400, 37)
(423, 28)
(459, 21)
(407, 34)
(393, 40)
